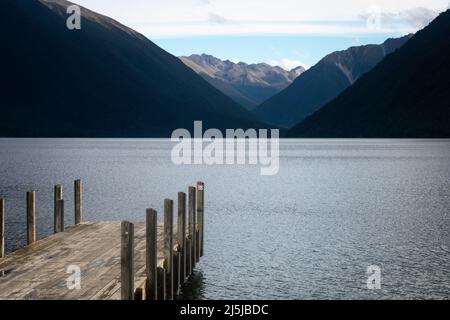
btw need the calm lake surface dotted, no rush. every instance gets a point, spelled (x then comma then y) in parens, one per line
(335, 208)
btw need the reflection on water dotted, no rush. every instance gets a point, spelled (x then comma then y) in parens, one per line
(334, 208)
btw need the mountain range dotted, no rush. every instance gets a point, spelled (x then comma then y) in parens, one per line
(323, 82)
(407, 95)
(247, 84)
(105, 80)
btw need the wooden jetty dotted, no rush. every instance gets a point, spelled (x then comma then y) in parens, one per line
(105, 260)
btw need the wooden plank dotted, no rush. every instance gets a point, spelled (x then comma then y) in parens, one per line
(2, 228)
(151, 254)
(168, 246)
(58, 220)
(78, 199)
(200, 216)
(127, 261)
(31, 217)
(108, 291)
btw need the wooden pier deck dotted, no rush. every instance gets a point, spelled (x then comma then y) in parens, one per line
(39, 271)
(110, 265)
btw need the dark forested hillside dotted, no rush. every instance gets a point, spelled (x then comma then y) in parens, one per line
(103, 80)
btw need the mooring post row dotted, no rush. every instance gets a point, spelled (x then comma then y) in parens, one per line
(58, 219)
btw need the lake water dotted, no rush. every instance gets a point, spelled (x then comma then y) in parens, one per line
(335, 208)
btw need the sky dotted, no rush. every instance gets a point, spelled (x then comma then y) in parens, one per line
(287, 33)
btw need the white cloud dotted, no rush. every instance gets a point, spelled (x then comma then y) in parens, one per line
(156, 18)
(415, 18)
(273, 28)
(419, 17)
(287, 64)
(215, 18)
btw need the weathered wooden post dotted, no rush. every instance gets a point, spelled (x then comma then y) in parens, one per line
(60, 216)
(161, 283)
(31, 217)
(151, 254)
(188, 257)
(176, 271)
(127, 260)
(168, 247)
(58, 194)
(192, 225)
(2, 228)
(78, 202)
(139, 294)
(200, 217)
(181, 234)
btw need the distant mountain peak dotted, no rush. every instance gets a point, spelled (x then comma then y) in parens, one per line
(297, 70)
(247, 84)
